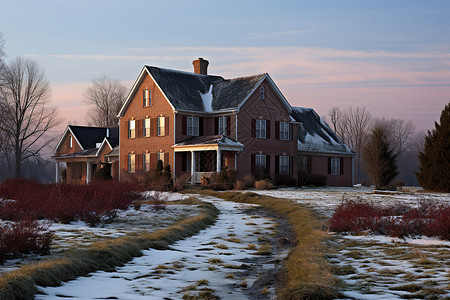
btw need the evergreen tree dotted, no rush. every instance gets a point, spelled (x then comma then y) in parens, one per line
(159, 168)
(379, 157)
(434, 170)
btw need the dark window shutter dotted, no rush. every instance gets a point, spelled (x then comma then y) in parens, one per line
(149, 97)
(309, 164)
(291, 132)
(228, 126)
(129, 132)
(183, 125)
(153, 158)
(166, 159)
(200, 125)
(253, 128)
(138, 162)
(216, 125)
(277, 130)
(252, 162)
(139, 128)
(166, 125)
(268, 129)
(291, 165)
(277, 164)
(329, 165)
(183, 161)
(268, 163)
(341, 171)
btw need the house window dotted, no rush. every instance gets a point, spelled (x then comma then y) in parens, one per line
(131, 129)
(260, 129)
(284, 131)
(160, 156)
(192, 126)
(283, 165)
(223, 126)
(131, 163)
(70, 141)
(260, 162)
(147, 97)
(146, 129)
(146, 162)
(335, 166)
(261, 93)
(161, 127)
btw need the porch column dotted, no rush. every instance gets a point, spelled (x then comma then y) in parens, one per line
(58, 176)
(88, 172)
(192, 167)
(219, 161)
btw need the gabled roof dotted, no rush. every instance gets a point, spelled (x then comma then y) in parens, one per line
(187, 91)
(315, 135)
(87, 137)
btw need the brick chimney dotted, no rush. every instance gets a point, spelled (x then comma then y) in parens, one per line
(200, 66)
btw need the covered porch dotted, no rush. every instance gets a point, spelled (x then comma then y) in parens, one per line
(202, 156)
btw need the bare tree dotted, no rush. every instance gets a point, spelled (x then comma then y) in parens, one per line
(26, 119)
(107, 95)
(335, 115)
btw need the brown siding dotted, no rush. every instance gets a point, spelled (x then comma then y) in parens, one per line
(153, 144)
(64, 147)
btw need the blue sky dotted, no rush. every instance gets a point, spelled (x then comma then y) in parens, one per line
(392, 57)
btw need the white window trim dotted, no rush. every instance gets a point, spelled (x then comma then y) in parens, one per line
(260, 162)
(335, 166)
(131, 163)
(192, 126)
(161, 126)
(223, 126)
(146, 128)
(284, 131)
(70, 141)
(131, 129)
(260, 129)
(283, 164)
(147, 97)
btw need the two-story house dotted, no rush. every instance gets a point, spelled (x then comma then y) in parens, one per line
(199, 123)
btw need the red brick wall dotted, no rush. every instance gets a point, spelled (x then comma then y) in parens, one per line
(270, 108)
(153, 144)
(319, 165)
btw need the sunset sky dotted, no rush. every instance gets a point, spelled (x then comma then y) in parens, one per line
(393, 57)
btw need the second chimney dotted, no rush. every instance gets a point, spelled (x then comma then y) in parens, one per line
(200, 66)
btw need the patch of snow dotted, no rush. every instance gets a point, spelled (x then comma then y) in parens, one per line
(207, 99)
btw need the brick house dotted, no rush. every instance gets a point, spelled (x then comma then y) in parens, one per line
(199, 123)
(83, 150)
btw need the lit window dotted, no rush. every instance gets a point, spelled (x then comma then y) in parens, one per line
(192, 126)
(284, 131)
(161, 127)
(223, 126)
(160, 156)
(261, 129)
(70, 141)
(147, 97)
(335, 166)
(261, 93)
(132, 129)
(146, 132)
(131, 163)
(146, 162)
(260, 162)
(284, 165)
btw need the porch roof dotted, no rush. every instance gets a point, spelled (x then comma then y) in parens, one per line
(83, 153)
(211, 142)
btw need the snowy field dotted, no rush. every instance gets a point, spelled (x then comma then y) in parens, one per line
(223, 261)
(381, 267)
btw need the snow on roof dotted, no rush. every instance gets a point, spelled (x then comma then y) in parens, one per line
(207, 99)
(209, 140)
(314, 135)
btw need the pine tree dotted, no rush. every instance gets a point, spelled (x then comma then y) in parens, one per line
(434, 170)
(379, 157)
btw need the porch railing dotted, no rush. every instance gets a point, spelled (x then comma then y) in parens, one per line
(198, 176)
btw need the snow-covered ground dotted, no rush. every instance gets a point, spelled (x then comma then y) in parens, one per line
(221, 260)
(381, 267)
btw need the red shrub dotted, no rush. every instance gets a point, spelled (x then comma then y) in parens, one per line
(22, 238)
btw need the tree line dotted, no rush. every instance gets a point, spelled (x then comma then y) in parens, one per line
(388, 149)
